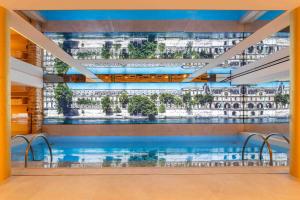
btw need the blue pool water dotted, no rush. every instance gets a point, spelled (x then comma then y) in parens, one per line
(165, 121)
(151, 149)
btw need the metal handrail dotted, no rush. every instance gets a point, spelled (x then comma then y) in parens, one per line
(26, 140)
(264, 140)
(29, 145)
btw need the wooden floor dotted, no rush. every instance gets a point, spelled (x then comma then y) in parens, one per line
(151, 184)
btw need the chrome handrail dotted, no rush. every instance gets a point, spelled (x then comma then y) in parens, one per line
(26, 140)
(264, 140)
(29, 145)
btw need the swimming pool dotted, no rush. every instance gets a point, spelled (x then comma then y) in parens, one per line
(211, 120)
(124, 151)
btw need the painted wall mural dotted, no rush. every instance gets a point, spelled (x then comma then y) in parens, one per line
(94, 103)
(69, 99)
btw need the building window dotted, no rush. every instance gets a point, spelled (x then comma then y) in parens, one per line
(227, 105)
(260, 106)
(236, 105)
(250, 105)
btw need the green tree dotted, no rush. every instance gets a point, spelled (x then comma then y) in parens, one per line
(187, 100)
(144, 50)
(106, 105)
(188, 51)
(178, 55)
(81, 55)
(117, 48)
(286, 99)
(154, 97)
(123, 54)
(124, 99)
(105, 51)
(63, 97)
(209, 99)
(199, 99)
(195, 55)
(142, 105)
(161, 49)
(60, 67)
(205, 55)
(162, 108)
(178, 101)
(203, 99)
(283, 99)
(117, 109)
(167, 99)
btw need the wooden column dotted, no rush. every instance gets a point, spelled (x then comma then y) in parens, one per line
(5, 127)
(295, 94)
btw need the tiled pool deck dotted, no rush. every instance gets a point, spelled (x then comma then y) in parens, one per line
(239, 183)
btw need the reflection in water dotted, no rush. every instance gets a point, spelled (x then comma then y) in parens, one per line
(147, 150)
(166, 121)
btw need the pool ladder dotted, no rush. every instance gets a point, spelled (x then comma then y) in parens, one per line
(265, 141)
(30, 149)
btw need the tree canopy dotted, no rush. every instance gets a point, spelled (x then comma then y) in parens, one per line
(123, 99)
(60, 67)
(106, 105)
(283, 99)
(146, 49)
(63, 97)
(162, 108)
(154, 97)
(142, 105)
(203, 99)
(167, 98)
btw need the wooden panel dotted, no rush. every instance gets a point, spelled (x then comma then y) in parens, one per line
(150, 26)
(19, 110)
(283, 128)
(18, 46)
(150, 5)
(143, 129)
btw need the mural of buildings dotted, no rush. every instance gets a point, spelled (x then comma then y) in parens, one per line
(183, 100)
(165, 45)
(259, 101)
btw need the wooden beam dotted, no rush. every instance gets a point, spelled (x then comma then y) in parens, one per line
(251, 16)
(150, 5)
(31, 14)
(26, 74)
(25, 29)
(272, 64)
(277, 72)
(272, 27)
(71, 26)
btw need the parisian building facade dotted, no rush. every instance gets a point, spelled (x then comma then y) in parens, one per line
(233, 101)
